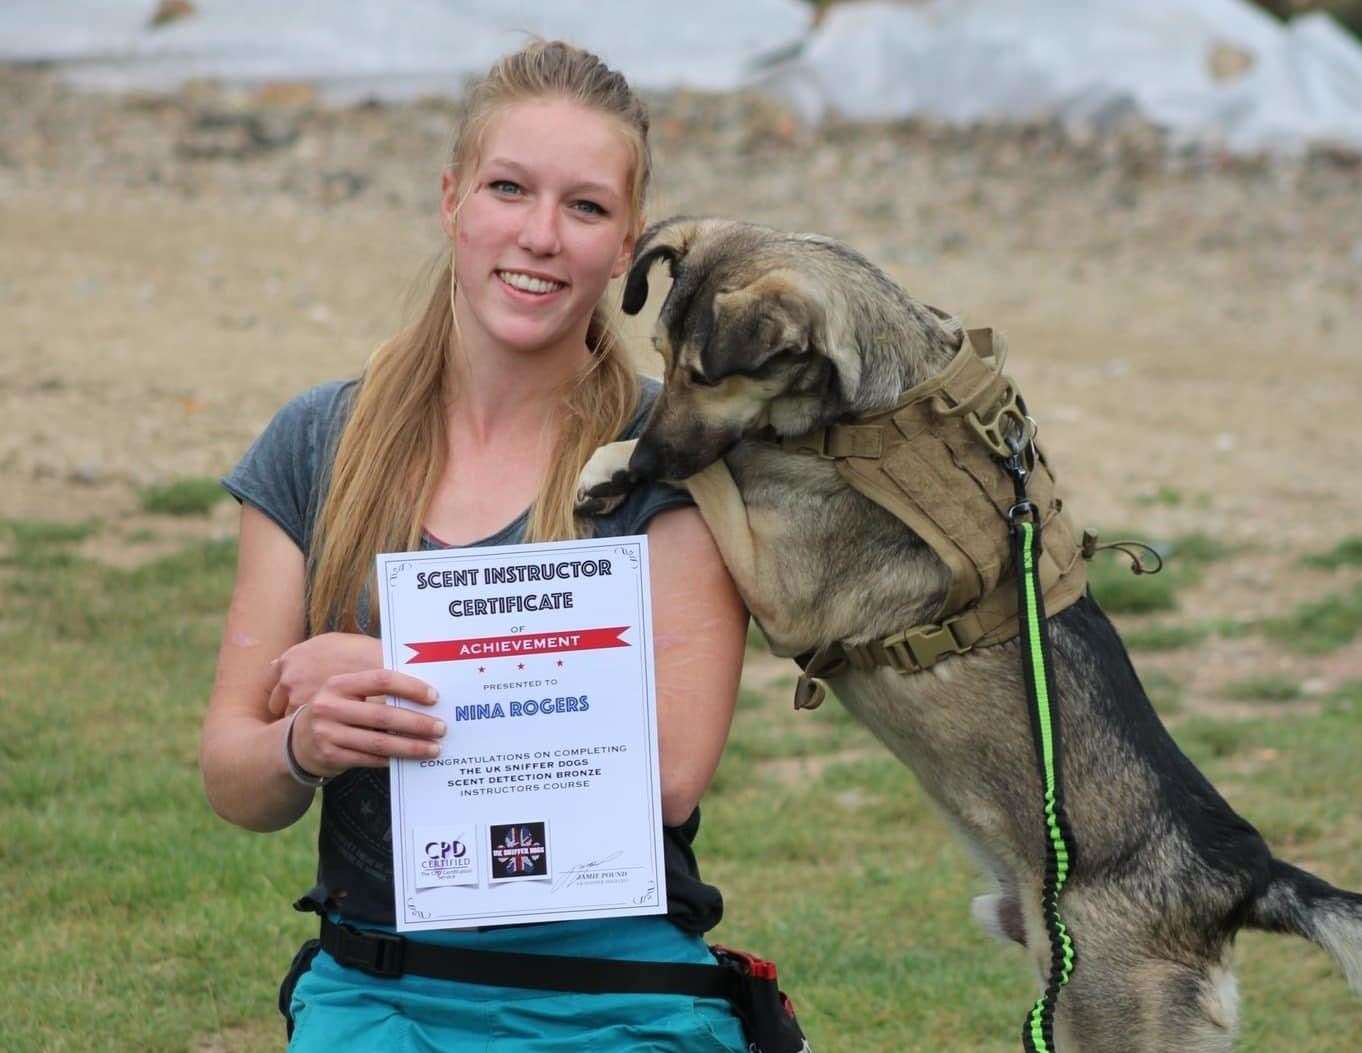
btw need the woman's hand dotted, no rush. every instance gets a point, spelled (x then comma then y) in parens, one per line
(302, 670)
(337, 729)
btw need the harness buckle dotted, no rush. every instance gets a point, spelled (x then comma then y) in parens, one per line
(1007, 417)
(376, 953)
(922, 646)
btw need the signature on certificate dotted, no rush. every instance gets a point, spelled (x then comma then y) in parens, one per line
(589, 870)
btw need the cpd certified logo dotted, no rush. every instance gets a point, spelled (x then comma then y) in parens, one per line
(445, 857)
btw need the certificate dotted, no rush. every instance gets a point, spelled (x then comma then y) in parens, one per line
(545, 803)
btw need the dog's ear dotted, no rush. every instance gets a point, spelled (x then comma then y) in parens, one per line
(670, 240)
(837, 343)
(772, 314)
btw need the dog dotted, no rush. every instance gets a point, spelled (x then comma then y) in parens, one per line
(766, 334)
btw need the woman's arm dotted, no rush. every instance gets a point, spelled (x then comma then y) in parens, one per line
(241, 749)
(699, 634)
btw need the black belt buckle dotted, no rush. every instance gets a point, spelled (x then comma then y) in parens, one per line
(376, 953)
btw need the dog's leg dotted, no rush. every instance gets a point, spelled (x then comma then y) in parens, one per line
(1153, 1006)
(721, 505)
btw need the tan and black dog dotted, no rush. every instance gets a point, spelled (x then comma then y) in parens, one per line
(766, 334)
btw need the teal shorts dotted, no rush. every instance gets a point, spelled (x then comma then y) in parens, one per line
(339, 1010)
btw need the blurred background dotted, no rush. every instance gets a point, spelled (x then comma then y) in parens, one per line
(206, 207)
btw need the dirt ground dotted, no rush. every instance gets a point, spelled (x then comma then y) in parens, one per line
(1186, 328)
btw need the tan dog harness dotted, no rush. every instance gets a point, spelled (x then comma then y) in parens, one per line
(935, 461)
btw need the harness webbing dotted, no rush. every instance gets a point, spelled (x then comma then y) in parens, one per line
(1038, 1031)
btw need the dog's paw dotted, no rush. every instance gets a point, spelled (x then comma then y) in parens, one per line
(604, 498)
(606, 479)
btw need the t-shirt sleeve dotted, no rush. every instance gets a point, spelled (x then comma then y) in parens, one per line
(277, 474)
(647, 501)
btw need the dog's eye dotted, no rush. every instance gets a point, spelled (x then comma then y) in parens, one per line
(700, 380)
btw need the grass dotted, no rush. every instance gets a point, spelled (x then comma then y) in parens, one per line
(1168, 496)
(1122, 592)
(135, 919)
(1322, 625)
(1166, 637)
(194, 496)
(32, 534)
(1347, 553)
(1164, 691)
(1264, 689)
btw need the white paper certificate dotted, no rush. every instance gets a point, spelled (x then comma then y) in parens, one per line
(545, 803)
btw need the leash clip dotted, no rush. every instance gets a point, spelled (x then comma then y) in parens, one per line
(1015, 464)
(1021, 450)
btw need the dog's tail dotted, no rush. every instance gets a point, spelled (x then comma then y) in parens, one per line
(1296, 901)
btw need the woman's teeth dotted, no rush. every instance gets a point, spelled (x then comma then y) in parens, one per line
(525, 283)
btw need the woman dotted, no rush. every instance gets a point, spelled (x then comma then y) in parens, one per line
(470, 427)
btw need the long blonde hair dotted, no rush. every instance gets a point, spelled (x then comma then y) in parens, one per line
(392, 451)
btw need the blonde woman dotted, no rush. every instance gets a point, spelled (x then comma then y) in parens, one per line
(469, 428)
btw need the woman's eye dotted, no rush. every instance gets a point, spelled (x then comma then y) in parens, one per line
(589, 207)
(504, 186)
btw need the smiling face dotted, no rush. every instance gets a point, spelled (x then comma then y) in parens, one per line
(541, 222)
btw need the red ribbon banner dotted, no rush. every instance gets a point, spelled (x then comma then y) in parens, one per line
(519, 644)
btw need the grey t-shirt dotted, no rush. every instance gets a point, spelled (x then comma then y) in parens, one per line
(285, 474)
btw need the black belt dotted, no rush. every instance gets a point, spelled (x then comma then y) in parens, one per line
(386, 955)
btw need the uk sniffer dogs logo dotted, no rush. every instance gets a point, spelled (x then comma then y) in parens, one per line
(519, 851)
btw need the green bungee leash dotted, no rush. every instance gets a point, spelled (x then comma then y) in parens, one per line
(1038, 1033)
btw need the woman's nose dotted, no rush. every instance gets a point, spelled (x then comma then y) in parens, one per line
(539, 231)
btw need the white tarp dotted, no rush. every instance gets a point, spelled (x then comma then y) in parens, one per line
(1211, 71)
(392, 49)
(1217, 72)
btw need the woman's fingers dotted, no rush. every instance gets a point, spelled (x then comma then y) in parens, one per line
(348, 759)
(333, 734)
(377, 744)
(338, 729)
(278, 700)
(393, 720)
(382, 682)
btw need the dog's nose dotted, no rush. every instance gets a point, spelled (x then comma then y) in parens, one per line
(645, 462)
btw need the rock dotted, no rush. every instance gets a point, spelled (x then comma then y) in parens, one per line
(342, 186)
(168, 11)
(284, 95)
(1226, 62)
(88, 473)
(221, 133)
